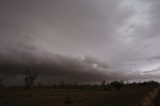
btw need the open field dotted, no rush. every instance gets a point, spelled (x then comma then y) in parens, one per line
(127, 96)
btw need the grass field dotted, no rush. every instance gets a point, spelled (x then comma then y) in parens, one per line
(127, 96)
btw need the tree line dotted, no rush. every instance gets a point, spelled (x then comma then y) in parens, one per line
(29, 80)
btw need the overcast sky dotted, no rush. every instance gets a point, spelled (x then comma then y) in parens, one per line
(80, 40)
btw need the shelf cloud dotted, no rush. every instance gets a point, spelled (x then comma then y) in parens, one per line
(80, 40)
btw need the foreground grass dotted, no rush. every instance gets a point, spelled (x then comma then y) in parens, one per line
(128, 96)
(149, 98)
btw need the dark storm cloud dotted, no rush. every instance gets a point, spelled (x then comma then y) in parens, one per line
(85, 40)
(57, 68)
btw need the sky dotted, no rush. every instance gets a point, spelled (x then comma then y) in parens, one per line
(83, 41)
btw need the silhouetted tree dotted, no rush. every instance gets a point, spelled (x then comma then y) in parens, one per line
(103, 84)
(117, 84)
(29, 78)
(1, 84)
(40, 84)
(62, 84)
(75, 85)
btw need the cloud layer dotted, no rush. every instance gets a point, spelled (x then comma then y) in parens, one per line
(85, 40)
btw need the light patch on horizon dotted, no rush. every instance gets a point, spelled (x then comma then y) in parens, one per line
(150, 68)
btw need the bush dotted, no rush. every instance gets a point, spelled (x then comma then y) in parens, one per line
(117, 85)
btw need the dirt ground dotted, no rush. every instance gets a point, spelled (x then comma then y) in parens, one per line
(128, 96)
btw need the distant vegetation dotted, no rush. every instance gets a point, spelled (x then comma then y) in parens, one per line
(113, 93)
(109, 86)
(29, 79)
(117, 85)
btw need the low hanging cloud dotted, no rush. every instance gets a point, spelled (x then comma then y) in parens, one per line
(84, 40)
(55, 67)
